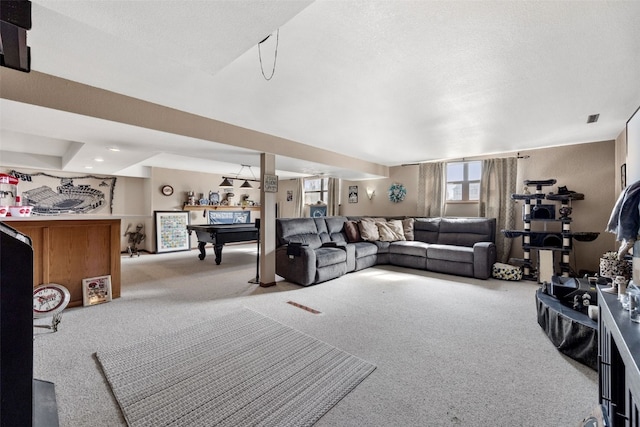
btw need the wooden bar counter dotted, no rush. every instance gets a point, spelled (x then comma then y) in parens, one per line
(69, 249)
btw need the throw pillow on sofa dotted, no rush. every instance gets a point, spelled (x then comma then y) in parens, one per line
(391, 231)
(368, 230)
(407, 228)
(352, 231)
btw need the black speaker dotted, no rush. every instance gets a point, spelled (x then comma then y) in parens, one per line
(258, 223)
(541, 212)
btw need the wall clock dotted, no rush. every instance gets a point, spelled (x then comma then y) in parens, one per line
(50, 300)
(167, 190)
(397, 192)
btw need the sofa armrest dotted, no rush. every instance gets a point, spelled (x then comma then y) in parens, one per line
(298, 269)
(484, 256)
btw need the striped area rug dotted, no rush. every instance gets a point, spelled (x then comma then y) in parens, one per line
(241, 369)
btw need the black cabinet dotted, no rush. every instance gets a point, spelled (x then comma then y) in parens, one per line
(618, 361)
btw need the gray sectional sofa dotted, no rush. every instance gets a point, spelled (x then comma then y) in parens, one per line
(314, 250)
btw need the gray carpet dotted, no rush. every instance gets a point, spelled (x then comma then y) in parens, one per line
(239, 369)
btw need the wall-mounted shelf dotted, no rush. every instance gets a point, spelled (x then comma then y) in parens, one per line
(219, 207)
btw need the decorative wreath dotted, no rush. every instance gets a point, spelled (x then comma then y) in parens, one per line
(397, 193)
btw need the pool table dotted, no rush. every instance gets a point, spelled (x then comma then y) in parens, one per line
(219, 234)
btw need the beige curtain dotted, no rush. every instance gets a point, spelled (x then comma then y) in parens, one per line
(498, 183)
(431, 189)
(298, 198)
(333, 202)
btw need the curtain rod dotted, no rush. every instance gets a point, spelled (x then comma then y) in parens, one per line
(463, 159)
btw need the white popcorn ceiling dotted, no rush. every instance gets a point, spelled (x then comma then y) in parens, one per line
(389, 82)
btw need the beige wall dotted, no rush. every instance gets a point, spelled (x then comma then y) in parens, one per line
(285, 208)
(591, 169)
(135, 199)
(585, 168)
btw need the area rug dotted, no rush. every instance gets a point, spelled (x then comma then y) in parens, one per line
(241, 369)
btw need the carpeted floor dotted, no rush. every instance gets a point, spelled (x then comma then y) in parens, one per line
(240, 369)
(448, 351)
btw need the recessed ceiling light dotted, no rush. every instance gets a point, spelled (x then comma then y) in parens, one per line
(88, 167)
(593, 118)
(99, 159)
(113, 149)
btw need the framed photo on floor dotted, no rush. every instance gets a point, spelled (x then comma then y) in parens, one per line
(171, 231)
(96, 290)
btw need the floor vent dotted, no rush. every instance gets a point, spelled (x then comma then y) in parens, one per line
(304, 307)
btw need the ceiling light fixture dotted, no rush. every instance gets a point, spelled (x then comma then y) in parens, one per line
(227, 182)
(115, 149)
(275, 56)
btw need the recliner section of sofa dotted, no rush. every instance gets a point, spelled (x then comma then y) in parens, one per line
(460, 246)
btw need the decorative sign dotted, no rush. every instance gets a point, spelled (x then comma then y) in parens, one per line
(353, 194)
(317, 211)
(96, 290)
(270, 183)
(229, 217)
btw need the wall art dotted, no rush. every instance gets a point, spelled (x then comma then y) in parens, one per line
(353, 194)
(171, 231)
(55, 195)
(397, 192)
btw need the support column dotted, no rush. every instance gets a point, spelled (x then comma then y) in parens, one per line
(267, 223)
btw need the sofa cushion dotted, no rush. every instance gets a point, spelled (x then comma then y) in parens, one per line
(407, 228)
(287, 227)
(409, 248)
(335, 228)
(369, 230)
(450, 253)
(426, 229)
(364, 249)
(391, 231)
(352, 231)
(329, 256)
(321, 225)
(313, 240)
(383, 247)
(466, 231)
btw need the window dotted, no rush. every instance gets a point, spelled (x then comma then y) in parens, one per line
(316, 189)
(463, 181)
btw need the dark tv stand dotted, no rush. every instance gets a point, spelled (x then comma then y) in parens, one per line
(618, 361)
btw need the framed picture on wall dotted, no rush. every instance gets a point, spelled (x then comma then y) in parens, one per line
(171, 231)
(353, 194)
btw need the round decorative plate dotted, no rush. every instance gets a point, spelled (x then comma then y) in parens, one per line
(167, 190)
(397, 193)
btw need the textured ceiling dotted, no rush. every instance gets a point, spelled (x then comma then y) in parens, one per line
(389, 82)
